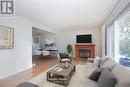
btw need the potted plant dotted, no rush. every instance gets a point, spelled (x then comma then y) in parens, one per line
(69, 48)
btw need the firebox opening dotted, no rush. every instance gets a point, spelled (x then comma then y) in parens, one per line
(84, 53)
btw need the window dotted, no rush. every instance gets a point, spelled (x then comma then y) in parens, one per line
(123, 24)
(118, 39)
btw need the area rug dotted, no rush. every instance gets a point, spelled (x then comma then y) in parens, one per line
(79, 78)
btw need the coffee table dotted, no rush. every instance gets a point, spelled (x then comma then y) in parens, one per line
(60, 74)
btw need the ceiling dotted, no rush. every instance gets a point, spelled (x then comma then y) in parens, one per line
(67, 14)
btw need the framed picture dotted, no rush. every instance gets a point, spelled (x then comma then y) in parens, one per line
(6, 37)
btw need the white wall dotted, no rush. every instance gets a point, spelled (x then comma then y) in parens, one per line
(20, 57)
(65, 37)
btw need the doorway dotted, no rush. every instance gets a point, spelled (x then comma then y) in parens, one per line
(43, 42)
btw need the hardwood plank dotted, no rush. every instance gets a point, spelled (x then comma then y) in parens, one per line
(41, 66)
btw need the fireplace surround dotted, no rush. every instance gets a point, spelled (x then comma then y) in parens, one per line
(88, 51)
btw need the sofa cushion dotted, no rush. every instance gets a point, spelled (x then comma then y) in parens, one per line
(122, 75)
(95, 75)
(97, 61)
(103, 60)
(27, 84)
(106, 79)
(110, 64)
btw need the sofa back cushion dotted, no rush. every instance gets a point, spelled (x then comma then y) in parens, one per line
(106, 79)
(110, 64)
(122, 75)
(103, 60)
(97, 61)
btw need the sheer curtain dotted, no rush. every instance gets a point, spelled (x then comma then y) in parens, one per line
(111, 40)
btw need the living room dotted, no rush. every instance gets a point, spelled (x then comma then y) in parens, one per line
(107, 23)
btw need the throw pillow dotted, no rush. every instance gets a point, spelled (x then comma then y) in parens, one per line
(63, 55)
(103, 60)
(95, 75)
(97, 61)
(110, 64)
(106, 79)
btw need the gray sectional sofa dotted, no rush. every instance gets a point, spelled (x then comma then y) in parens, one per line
(121, 73)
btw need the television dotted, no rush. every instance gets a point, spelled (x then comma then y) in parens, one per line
(87, 38)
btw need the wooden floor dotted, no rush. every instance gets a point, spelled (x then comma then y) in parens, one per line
(41, 66)
(81, 61)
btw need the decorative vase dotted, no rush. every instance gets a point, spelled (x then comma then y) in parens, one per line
(66, 64)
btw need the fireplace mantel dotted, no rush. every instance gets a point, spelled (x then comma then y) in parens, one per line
(82, 44)
(79, 46)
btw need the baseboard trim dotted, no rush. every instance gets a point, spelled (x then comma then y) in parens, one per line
(16, 72)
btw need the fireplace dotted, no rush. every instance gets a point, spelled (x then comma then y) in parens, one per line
(84, 51)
